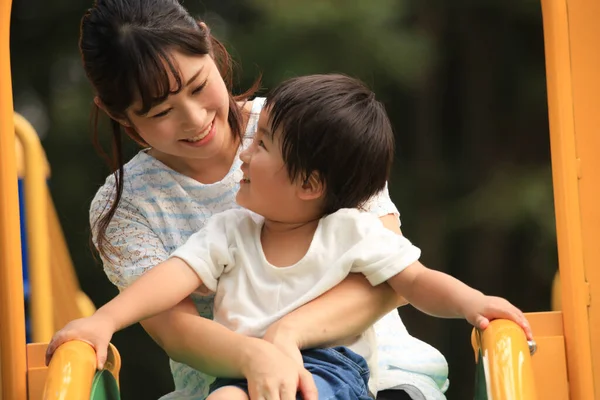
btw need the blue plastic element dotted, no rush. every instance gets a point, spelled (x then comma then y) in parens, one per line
(24, 257)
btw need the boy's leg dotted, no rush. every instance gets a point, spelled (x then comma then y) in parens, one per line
(339, 373)
(393, 395)
(228, 393)
(228, 389)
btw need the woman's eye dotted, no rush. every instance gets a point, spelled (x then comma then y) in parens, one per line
(261, 144)
(199, 88)
(161, 114)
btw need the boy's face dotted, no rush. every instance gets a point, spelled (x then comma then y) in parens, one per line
(266, 188)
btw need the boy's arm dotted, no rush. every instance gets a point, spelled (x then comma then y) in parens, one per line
(159, 289)
(200, 260)
(441, 295)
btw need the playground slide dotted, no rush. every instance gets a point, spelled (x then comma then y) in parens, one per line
(69, 301)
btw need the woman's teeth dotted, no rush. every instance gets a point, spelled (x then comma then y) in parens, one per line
(201, 135)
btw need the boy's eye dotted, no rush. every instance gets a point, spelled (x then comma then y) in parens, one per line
(199, 88)
(261, 144)
(161, 114)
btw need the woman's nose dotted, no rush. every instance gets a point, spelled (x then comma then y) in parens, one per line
(194, 118)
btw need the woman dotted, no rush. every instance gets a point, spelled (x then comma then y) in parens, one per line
(164, 80)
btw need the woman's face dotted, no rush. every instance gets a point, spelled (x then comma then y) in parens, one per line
(192, 124)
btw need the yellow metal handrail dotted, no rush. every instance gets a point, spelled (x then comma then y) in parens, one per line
(13, 369)
(506, 360)
(72, 370)
(36, 211)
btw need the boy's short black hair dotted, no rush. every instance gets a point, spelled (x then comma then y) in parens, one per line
(333, 125)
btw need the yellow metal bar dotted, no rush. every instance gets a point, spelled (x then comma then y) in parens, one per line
(572, 33)
(38, 247)
(12, 315)
(72, 370)
(506, 359)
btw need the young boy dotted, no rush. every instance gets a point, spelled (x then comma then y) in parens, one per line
(324, 146)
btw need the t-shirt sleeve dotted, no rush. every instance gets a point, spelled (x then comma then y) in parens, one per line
(208, 251)
(381, 204)
(379, 253)
(132, 246)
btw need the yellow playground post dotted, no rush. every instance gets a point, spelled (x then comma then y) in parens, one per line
(13, 368)
(571, 36)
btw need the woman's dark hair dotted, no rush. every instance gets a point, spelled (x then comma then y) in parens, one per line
(125, 46)
(332, 125)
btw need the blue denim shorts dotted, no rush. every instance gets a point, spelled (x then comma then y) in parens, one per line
(339, 373)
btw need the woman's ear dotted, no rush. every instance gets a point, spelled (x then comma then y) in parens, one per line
(131, 132)
(101, 106)
(202, 25)
(312, 187)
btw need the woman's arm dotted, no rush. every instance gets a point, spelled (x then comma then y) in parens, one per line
(199, 342)
(342, 313)
(215, 350)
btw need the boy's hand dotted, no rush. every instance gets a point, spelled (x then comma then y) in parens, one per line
(480, 312)
(272, 374)
(285, 342)
(93, 330)
(291, 350)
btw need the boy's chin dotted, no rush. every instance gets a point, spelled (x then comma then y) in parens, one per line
(241, 201)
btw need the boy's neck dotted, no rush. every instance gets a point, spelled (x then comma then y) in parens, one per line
(284, 244)
(272, 227)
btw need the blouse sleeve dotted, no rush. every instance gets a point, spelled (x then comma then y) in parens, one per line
(132, 246)
(381, 204)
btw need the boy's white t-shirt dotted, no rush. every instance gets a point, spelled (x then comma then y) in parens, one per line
(161, 208)
(252, 294)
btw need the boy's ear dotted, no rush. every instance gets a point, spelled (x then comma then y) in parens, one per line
(101, 106)
(312, 187)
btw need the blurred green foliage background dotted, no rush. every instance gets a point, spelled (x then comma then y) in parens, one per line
(463, 82)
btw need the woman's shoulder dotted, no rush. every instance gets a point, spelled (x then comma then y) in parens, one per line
(349, 226)
(351, 217)
(253, 106)
(245, 106)
(136, 174)
(251, 110)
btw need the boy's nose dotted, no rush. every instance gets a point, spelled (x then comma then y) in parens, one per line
(245, 156)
